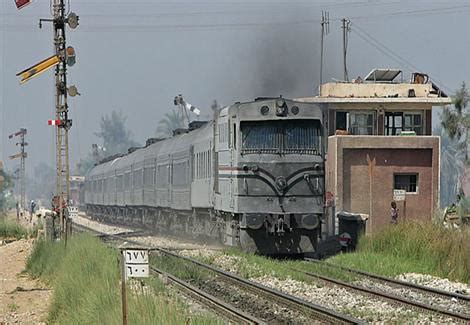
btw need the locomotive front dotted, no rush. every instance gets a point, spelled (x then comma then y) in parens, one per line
(274, 168)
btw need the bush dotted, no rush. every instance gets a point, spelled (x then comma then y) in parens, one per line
(414, 247)
(85, 278)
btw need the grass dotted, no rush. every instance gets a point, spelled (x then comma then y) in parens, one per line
(413, 247)
(184, 270)
(249, 265)
(10, 229)
(85, 278)
(12, 307)
(408, 247)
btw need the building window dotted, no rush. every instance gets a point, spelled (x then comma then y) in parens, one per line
(361, 123)
(407, 182)
(413, 122)
(393, 123)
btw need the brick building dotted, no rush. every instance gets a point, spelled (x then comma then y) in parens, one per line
(380, 147)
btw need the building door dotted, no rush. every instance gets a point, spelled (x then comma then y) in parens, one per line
(393, 123)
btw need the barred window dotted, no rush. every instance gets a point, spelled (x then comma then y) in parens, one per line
(407, 182)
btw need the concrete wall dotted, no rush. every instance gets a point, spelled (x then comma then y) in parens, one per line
(332, 89)
(361, 172)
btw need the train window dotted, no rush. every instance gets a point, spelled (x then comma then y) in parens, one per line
(127, 181)
(162, 175)
(149, 173)
(281, 137)
(223, 132)
(198, 165)
(180, 173)
(204, 164)
(208, 164)
(234, 136)
(203, 171)
(135, 179)
(119, 184)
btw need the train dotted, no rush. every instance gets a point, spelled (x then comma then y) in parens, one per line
(253, 177)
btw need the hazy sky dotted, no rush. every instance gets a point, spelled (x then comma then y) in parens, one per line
(135, 56)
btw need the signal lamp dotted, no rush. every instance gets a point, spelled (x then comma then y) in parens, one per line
(70, 56)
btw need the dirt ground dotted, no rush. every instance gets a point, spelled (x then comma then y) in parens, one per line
(22, 300)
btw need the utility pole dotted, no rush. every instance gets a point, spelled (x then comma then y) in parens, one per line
(22, 155)
(346, 28)
(325, 29)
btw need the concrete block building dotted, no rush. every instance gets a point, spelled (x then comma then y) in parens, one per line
(380, 147)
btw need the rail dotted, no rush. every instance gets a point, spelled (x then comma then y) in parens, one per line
(406, 284)
(388, 296)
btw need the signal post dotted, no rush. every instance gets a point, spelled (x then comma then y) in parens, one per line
(63, 56)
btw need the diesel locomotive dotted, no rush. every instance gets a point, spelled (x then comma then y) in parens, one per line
(253, 177)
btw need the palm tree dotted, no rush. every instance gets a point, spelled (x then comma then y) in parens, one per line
(170, 122)
(452, 166)
(456, 120)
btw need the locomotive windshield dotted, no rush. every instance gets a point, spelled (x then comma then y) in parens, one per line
(281, 137)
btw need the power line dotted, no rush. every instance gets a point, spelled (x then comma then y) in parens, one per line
(391, 54)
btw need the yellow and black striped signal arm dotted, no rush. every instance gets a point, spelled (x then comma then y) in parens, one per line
(38, 68)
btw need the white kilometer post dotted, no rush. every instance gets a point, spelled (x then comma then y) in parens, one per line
(134, 264)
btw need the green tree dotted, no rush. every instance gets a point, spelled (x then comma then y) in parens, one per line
(456, 120)
(115, 138)
(452, 166)
(114, 135)
(171, 121)
(6, 184)
(42, 185)
(84, 165)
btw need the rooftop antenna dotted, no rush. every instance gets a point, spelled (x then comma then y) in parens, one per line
(325, 29)
(346, 29)
(185, 108)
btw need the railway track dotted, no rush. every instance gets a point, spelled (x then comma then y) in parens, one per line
(395, 282)
(218, 306)
(310, 310)
(393, 298)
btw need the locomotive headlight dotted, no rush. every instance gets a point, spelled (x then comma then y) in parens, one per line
(310, 221)
(264, 110)
(294, 110)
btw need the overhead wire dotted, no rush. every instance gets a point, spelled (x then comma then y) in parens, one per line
(410, 67)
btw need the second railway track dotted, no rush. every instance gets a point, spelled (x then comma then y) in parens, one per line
(461, 315)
